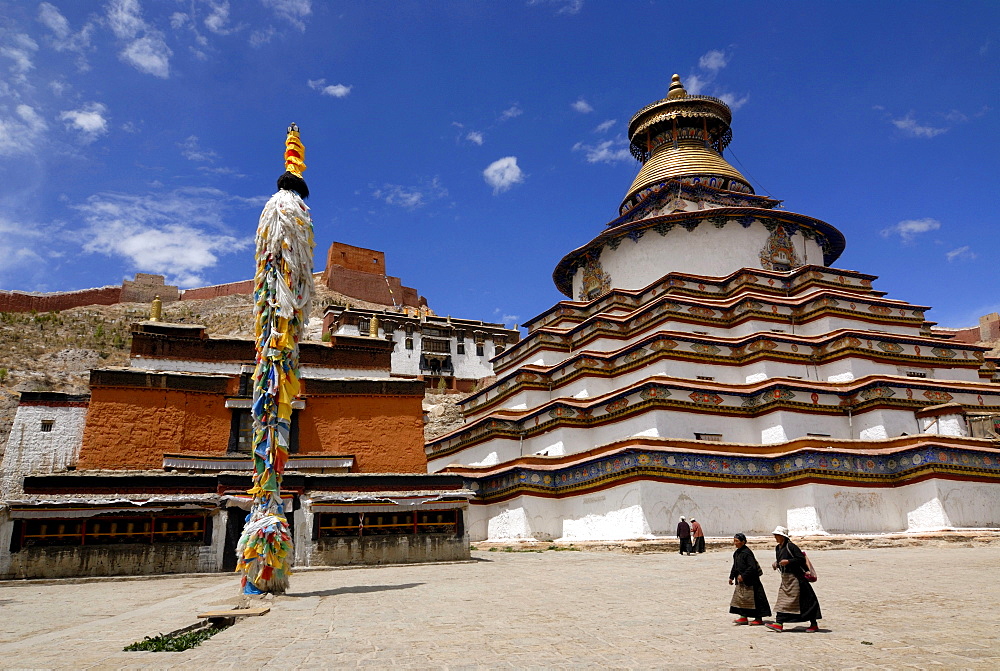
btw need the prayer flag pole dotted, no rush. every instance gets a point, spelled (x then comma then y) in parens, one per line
(283, 286)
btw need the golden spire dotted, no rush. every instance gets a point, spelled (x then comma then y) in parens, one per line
(156, 310)
(676, 89)
(295, 153)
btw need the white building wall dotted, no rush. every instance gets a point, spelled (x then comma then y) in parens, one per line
(634, 265)
(645, 509)
(31, 451)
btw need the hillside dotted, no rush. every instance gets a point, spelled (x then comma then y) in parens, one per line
(55, 351)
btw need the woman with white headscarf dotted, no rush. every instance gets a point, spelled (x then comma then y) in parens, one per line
(796, 600)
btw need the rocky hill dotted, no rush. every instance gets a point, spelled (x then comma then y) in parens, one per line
(55, 351)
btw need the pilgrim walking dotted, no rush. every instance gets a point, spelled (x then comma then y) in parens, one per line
(749, 599)
(684, 535)
(697, 536)
(796, 600)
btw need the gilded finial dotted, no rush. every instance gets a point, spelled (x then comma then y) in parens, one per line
(295, 153)
(295, 165)
(676, 89)
(373, 327)
(156, 309)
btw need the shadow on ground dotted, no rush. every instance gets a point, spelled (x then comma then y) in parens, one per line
(360, 589)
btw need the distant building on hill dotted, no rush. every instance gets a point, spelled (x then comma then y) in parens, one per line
(446, 353)
(355, 272)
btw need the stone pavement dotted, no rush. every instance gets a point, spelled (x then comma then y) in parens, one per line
(902, 607)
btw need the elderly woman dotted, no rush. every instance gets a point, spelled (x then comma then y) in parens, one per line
(749, 600)
(796, 599)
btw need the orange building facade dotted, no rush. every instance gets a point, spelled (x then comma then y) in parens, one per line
(149, 474)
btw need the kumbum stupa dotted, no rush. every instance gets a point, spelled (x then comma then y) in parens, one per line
(711, 362)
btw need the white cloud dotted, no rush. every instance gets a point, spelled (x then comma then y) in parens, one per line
(192, 150)
(962, 253)
(89, 120)
(713, 61)
(125, 18)
(175, 234)
(955, 116)
(908, 229)
(259, 38)
(34, 122)
(52, 19)
(735, 102)
(20, 49)
(19, 134)
(218, 18)
(63, 37)
(695, 85)
(411, 197)
(147, 53)
(179, 20)
(703, 82)
(475, 137)
(910, 127)
(582, 106)
(605, 126)
(511, 112)
(566, 7)
(293, 11)
(609, 151)
(503, 173)
(332, 90)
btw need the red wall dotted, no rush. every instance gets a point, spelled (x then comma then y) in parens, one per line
(232, 289)
(16, 301)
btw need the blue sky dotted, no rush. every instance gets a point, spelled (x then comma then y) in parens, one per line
(476, 143)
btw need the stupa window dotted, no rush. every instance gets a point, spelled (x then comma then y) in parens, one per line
(408, 343)
(711, 437)
(47, 425)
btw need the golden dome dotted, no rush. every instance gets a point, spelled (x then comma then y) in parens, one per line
(691, 158)
(683, 136)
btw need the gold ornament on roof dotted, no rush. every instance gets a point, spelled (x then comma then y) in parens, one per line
(676, 89)
(156, 310)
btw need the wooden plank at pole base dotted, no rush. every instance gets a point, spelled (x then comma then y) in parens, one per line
(239, 612)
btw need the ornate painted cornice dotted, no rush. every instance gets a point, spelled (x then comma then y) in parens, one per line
(818, 350)
(746, 280)
(894, 464)
(703, 397)
(728, 313)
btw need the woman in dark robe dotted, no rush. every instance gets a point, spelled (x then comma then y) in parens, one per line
(749, 600)
(796, 601)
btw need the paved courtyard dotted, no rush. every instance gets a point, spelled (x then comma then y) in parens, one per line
(909, 607)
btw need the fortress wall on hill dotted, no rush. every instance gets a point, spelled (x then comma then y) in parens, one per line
(244, 287)
(17, 301)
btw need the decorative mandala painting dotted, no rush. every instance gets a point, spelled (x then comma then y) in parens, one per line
(595, 282)
(779, 252)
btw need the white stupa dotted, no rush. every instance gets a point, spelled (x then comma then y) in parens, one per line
(711, 363)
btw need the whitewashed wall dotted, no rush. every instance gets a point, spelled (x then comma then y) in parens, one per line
(31, 451)
(651, 509)
(635, 265)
